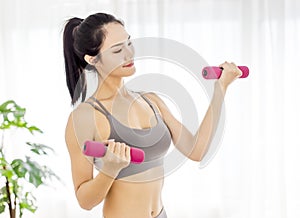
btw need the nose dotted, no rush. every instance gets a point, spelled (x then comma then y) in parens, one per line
(129, 52)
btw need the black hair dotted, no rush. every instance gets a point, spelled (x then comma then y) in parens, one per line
(81, 37)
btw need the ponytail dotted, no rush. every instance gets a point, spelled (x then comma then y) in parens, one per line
(74, 65)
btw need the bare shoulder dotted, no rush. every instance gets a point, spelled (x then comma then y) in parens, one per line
(159, 103)
(86, 123)
(80, 116)
(165, 112)
(80, 125)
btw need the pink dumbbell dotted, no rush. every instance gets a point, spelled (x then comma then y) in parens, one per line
(98, 149)
(210, 72)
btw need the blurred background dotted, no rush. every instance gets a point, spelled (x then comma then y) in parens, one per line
(255, 173)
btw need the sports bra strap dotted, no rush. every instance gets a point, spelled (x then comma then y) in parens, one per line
(149, 102)
(102, 109)
(96, 107)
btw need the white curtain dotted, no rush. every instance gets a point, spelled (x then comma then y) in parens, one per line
(255, 173)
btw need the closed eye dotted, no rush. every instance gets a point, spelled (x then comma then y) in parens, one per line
(118, 51)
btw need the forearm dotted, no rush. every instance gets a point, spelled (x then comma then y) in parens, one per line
(206, 131)
(93, 192)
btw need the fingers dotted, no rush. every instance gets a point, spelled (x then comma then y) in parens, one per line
(223, 64)
(110, 146)
(108, 140)
(119, 149)
(230, 72)
(227, 64)
(116, 158)
(127, 153)
(231, 67)
(123, 151)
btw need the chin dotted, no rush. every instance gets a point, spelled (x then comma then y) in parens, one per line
(123, 72)
(130, 72)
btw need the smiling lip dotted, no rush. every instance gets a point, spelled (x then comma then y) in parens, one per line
(129, 65)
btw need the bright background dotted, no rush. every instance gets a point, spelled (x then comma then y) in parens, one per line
(256, 172)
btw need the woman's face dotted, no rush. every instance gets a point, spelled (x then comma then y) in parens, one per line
(116, 52)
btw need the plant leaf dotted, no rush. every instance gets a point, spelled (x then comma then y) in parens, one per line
(19, 171)
(3, 107)
(2, 162)
(49, 174)
(7, 173)
(28, 203)
(19, 112)
(3, 191)
(2, 207)
(19, 167)
(35, 172)
(34, 128)
(39, 149)
(3, 199)
(13, 115)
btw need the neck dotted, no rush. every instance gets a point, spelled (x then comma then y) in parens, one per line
(110, 88)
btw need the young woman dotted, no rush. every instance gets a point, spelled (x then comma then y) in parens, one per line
(122, 118)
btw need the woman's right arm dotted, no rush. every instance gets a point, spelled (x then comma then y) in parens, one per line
(91, 191)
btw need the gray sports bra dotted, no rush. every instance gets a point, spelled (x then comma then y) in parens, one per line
(154, 141)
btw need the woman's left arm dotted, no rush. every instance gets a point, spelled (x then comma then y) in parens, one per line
(195, 146)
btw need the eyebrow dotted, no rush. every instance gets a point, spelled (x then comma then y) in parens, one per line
(119, 43)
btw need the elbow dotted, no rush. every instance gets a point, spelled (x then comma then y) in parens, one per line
(86, 203)
(195, 158)
(85, 206)
(199, 152)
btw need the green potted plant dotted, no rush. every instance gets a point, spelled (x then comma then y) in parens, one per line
(18, 174)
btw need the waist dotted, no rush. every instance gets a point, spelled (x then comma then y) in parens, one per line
(128, 199)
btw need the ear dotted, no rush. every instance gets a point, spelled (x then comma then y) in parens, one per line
(91, 60)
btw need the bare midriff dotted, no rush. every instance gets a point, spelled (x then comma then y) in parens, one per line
(135, 196)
